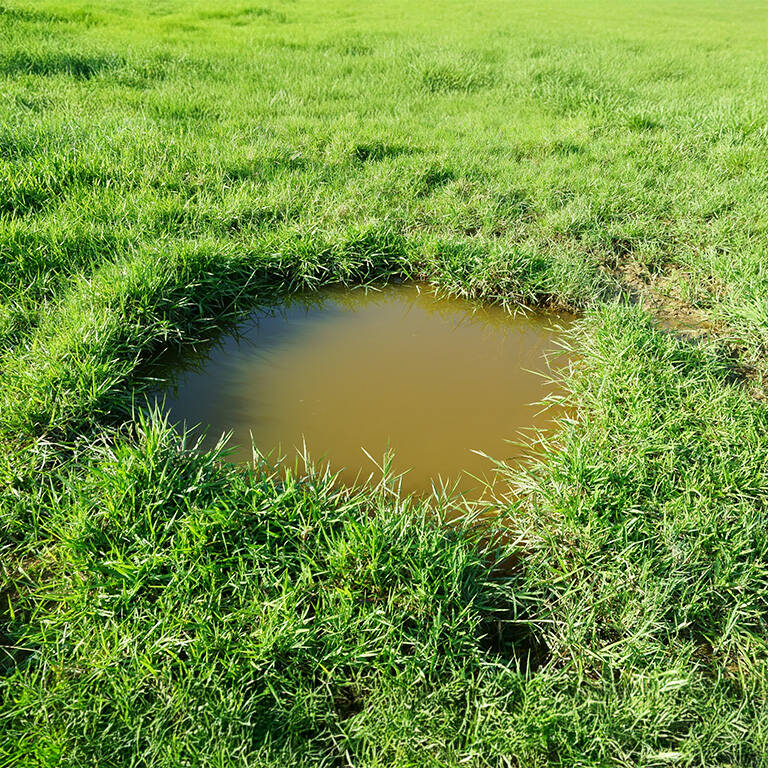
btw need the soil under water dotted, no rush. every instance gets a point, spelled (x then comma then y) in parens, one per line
(348, 371)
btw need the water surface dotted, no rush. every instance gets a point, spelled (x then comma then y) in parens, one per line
(345, 370)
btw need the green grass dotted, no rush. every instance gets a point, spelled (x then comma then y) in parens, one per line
(164, 167)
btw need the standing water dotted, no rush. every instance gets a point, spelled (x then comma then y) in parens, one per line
(346, 372)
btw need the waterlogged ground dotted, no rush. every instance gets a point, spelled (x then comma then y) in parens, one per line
(355, 372)
(167, 166)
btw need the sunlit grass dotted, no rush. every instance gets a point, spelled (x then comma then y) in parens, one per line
(164, 167)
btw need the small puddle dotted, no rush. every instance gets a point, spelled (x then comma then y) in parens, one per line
(341, 370)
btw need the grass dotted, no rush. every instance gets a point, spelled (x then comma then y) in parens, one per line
(166, 167)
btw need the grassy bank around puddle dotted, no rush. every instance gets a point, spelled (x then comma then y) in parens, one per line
(165, 168)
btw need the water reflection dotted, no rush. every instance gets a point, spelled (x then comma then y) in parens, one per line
(349, 371)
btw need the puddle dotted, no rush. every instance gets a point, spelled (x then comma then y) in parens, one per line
(345, 370)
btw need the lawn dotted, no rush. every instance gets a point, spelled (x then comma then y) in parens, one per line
(167, 166)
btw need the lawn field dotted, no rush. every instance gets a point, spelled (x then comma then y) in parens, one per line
(166, 166)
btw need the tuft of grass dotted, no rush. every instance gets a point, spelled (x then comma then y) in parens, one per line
(460, 77)
(50, 63)
(273, 608)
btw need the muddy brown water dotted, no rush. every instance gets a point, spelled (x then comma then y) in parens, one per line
(346, 372)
